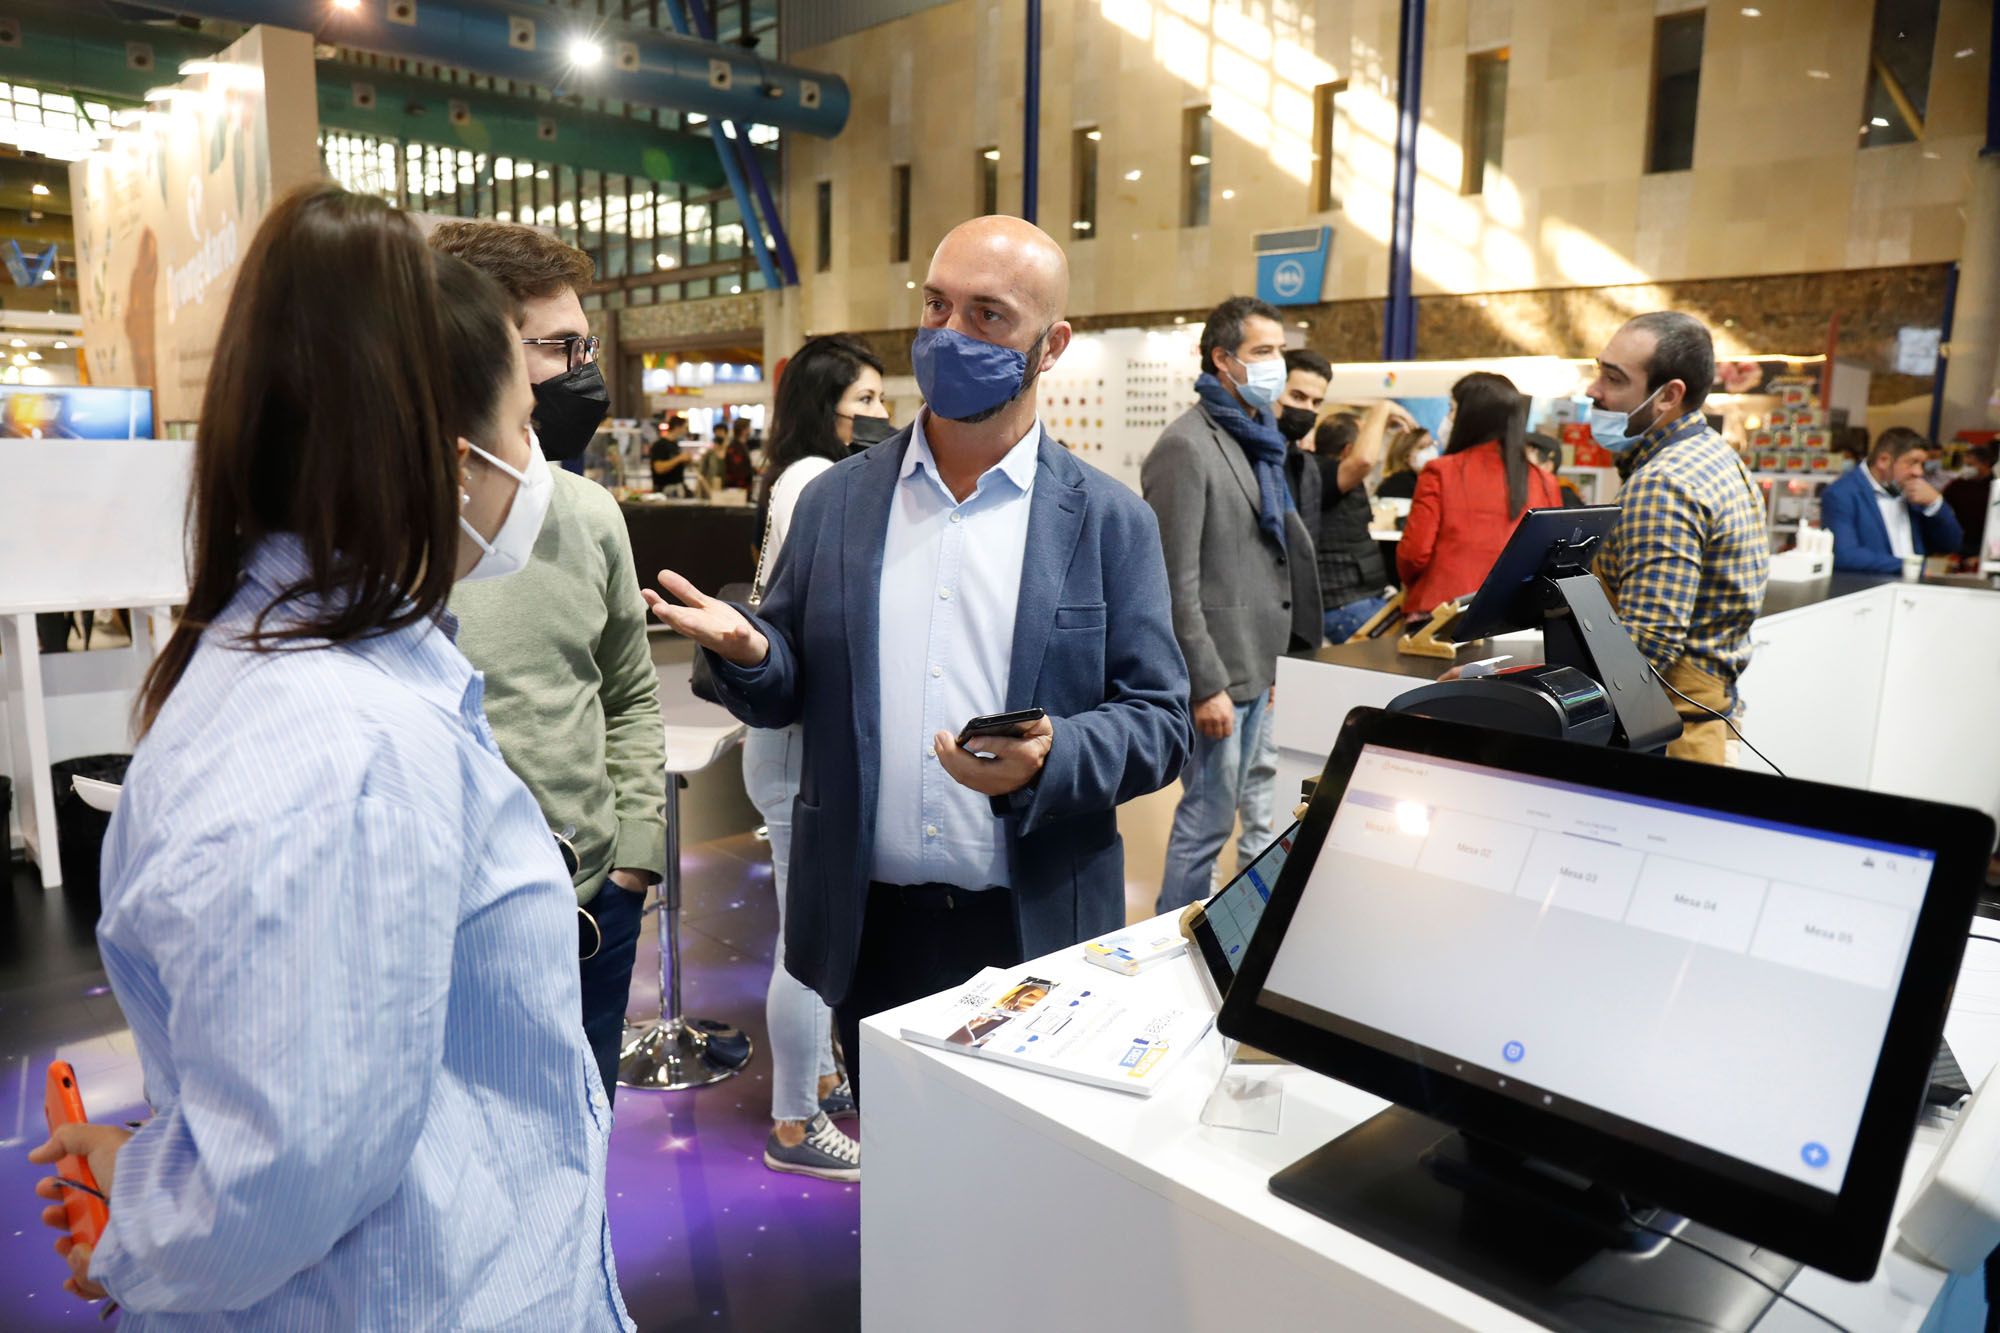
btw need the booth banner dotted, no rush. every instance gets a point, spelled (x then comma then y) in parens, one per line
(165, 211)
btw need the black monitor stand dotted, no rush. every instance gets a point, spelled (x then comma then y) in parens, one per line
(1579, 629)
(1540, 1241)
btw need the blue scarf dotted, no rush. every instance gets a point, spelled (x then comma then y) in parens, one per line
(1261, 444)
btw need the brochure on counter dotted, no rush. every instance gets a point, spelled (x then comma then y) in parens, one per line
(1090, 1027)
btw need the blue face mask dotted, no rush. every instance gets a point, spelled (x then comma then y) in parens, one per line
(1609, 428)
(965, 379)
(1262, 381)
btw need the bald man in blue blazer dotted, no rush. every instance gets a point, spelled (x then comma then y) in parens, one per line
(967, 566)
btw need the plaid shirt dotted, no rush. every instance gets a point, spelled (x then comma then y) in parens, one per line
(1689, 559)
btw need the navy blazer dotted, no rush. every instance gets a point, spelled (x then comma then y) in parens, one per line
(1093, 646)
(1848, 510)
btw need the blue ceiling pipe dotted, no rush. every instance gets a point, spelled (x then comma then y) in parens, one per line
(532, 43)
(704, 21)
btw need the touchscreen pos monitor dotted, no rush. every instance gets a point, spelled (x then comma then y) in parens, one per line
(1720, 994)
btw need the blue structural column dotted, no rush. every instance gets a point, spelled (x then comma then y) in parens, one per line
(1399, 324)
(704, 21)
(732, 169)
(1031, 116)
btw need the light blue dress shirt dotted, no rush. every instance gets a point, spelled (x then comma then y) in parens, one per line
(346, 946)
(951, 579)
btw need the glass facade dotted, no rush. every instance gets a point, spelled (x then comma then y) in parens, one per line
(652, 240)
(651, 237)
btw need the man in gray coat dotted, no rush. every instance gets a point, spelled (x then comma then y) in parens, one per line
(1241, 574)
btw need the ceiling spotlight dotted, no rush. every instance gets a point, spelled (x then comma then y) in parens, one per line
(1134, 174)
(1968, 51)
(49, 276)
(34, 356)
(17, 342)
(584, 53)
(1197, 160)
(910, 286)
(991, 155)
(1878, 122)
(39, 189)
(347, 6)
(1078, 225)
(1229, 194)
(1753, 13)
(1818, 74)
(1180, 319)
(1095, 135)
(695, 118)
(60, 345)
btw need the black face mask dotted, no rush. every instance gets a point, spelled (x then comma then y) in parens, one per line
(568, 409)
(1295, 423)
(867, 432)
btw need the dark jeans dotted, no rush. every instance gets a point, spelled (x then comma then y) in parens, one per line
(607, 976)
(916, 942)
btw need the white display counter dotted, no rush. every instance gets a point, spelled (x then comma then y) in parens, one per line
(1003, 1199)
(1861, 681)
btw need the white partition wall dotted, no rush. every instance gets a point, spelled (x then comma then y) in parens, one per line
(84, 525)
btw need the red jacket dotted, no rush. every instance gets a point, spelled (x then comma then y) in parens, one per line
(1459, 522)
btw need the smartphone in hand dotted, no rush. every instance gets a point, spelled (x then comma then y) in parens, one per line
(83, 1198)
(1013, 725)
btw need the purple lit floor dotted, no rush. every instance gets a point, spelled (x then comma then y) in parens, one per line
(706, 1237)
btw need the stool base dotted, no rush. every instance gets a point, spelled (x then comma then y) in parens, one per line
(668, 1055)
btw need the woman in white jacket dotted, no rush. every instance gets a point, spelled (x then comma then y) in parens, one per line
(829, 404)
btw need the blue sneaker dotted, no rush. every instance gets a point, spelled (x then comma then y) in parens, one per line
(840, 1104)
(826, 1153)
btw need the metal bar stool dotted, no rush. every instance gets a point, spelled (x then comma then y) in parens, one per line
(672, 1053)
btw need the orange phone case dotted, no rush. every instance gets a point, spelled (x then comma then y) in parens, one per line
(63, 1105)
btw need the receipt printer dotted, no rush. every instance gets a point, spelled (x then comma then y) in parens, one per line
(1544, 699)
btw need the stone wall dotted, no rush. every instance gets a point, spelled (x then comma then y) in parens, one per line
(678, 320)
(1789, 314)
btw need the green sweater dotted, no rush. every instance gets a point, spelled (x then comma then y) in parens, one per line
(570, 688)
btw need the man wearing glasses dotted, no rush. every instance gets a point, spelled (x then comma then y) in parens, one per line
(571, 692)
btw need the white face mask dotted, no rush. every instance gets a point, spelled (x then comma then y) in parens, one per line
(508, 551)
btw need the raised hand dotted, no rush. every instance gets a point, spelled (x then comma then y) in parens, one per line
(716, 626)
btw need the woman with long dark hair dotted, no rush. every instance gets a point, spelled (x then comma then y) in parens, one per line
(336, 922)
(1468, 501)
(829, 403)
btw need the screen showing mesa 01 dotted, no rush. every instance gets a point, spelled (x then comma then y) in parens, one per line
(1723, 981)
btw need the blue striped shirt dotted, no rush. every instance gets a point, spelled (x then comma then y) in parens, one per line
(346, 946)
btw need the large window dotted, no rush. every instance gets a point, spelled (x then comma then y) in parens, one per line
(899, 212)
(1899, 72)
(1197, 142)
(1485, 115)
(1676, 91)
(1083, 181)
(823, 227)
(1326, 197)
(988, 166)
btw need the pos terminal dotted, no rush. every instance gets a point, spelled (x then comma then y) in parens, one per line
(1594, 687)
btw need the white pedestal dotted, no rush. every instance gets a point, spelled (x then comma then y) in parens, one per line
(1002, 1199)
